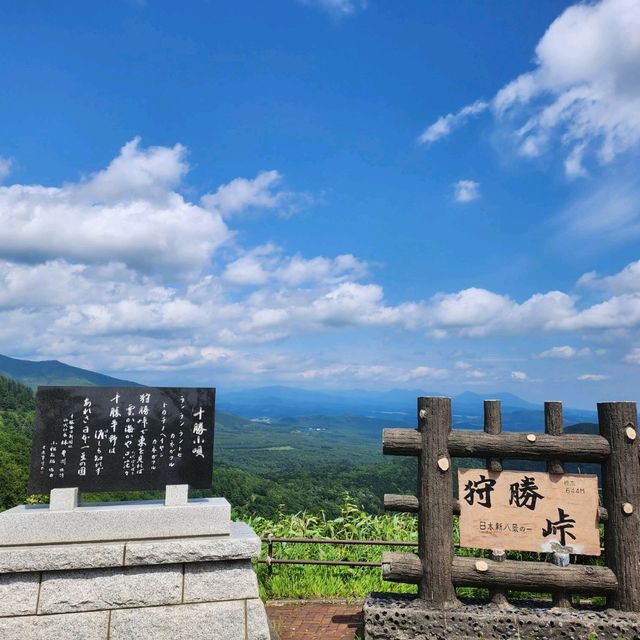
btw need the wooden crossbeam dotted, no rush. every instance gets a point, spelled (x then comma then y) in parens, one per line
(477, 444)
(509, 574)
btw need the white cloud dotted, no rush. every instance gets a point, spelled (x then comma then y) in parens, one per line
(592, 377)
(296, 270)
(266, 263)
(135, 174)
(5, 167)
(478, 312)
(57, 282)
(625, 281)
(444, 125)
(520, 376)
(251, 268)
(584, 90)
(565, 352)
(466, 191)
(573, 163)
(74, 285)
(475, 374)
(337, 8)
(242, 194)
(128, 213)
(373, 372)
(614, 313)
(421, 373)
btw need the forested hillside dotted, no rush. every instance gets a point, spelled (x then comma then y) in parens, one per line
(16, 422)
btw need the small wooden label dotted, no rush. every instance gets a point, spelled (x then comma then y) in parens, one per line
(529, 511)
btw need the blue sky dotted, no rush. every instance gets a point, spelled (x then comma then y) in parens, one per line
(325, 193)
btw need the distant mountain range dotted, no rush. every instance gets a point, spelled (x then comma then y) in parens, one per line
(266, 403)
(53, 372)
(398, 405)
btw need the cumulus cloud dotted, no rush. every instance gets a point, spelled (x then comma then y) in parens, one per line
(625, 281)
(135, 174)
(127, 213)
(242, 194)
(479, 312)
(89, 274)
(337, 8)
(565, 352)
(584, 90)
(520, 376)
(476, 312)
(466, 191)
(267, 263)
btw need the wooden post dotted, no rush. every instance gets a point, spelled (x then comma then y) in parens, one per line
(621, 495)
(270, 554)
(554, 425)
(493, 424)
(435, 493)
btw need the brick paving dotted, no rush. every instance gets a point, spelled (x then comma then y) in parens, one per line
(315, 620)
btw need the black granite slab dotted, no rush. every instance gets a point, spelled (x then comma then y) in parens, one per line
(122, 438)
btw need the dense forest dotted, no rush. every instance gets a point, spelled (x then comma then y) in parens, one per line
(16, 422)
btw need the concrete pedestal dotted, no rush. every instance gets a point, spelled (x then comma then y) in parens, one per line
(147, 587)
(96, 521)
(395, 617)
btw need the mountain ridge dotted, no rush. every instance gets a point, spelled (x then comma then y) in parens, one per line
(34, 373)
(468, 406)
(281, 401)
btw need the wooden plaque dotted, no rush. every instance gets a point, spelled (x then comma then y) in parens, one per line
(529, 511)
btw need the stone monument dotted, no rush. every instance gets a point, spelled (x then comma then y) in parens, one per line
(154, 569)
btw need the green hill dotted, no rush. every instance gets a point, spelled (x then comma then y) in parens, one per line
(53, 372)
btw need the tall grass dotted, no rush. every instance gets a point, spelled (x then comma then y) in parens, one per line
(309, 581)
(312, 581)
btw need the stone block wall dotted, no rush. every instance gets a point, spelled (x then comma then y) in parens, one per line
(195, 588)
